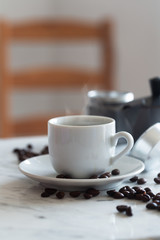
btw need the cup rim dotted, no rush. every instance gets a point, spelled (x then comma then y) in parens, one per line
(54, 121)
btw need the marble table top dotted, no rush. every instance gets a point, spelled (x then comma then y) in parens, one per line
(24, 214)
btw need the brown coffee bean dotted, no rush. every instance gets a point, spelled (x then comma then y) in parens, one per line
(138, 196)
(139, 190)
(111, 192)
(146, 198)
(44, 150)
(103, 176)
(157, 180)
(157, 202)
(45, 194)
(108, 174)
(60, 176)
(94, 176)
(134, 179)
(122, 208)
(156, 197)
(123, 189)
(151, 194)
(147, 189)
(93, 192)
(75, 194)
(129, 212)
(115, 172)
(152, 205)
(158, 175)
(118, 195)
(87, 195)
(141, 181)
(50, 191)
(60, 195)
(29, 146)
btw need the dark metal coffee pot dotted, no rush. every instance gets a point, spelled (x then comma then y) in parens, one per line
(134, 116)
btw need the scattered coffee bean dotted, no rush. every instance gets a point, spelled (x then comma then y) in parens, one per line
(129, 212)
(138, 196)
(146, 198)
(115, 172)
(152, 205)
(87, 195)
(156, 197)
(50, 191)
(122, 208)
(108, 174)
(60, 176)
(118, 195)
(147, 189)
(157, 202)
(111, 192)
(93, 192)
(45, 194)
(134, 179)
(60, 195)
(75, 194)
(151, 194)
(44, 150)
(94, 176)
(141, 181)
(158, 175)
(29, 146)
(139, 190)
(103, 176)
(157, 180)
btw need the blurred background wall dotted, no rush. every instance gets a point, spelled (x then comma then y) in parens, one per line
(136, 40)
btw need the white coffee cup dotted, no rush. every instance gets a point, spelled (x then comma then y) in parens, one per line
(84, 145)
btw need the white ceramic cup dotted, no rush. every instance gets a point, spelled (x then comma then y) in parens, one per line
(84, 145)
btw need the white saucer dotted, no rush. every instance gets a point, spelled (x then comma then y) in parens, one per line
(40, 169)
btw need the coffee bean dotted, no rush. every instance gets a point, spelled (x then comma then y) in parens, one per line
(75, 194)
(152, 205)
(158, 175)
(138, 196)
(29, 146)
(156, 197)
(94, 176)
(157, 202)
(60, 176)
(146, 198)
(134, 179)
(60, 195)
(93, 192)
(44, 150)
(129, 212)
(123, 189)
(139, 190)
(141, 181)
(45, 194)
(147, 189)
(115, 172)
(151, 194)
(108, 174)
(50, 191)
(122, 208)
(111, 192)
(87, 195)
(157, 180)
(118, 195)
(103, 176)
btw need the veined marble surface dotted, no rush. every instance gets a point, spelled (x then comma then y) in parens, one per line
(25, 215)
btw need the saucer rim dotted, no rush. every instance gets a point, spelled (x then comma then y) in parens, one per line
(76, 180)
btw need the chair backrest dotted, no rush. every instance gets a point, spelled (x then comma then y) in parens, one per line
(49, 31)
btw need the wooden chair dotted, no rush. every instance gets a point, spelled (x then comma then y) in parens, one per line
(55, 31)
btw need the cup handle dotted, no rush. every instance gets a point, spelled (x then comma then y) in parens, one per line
(114, 139)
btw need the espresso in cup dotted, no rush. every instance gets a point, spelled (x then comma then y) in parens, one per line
(83, 145)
